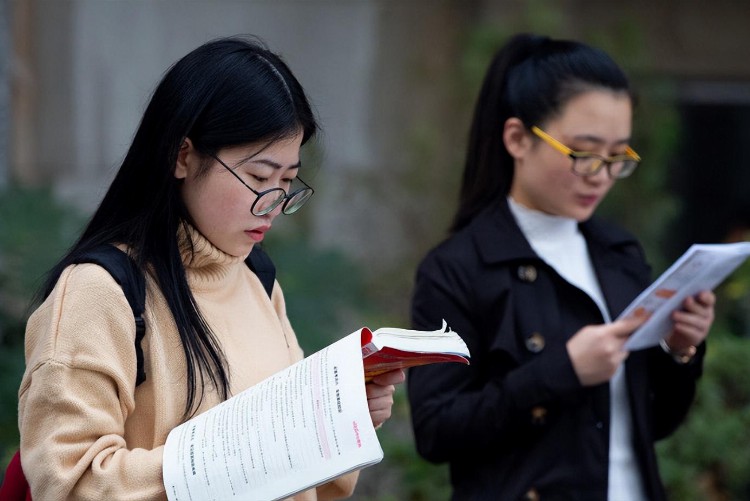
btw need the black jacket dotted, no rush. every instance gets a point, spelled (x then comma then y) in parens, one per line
(516, 423)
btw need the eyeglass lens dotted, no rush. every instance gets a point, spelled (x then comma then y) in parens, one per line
(590, 165)
(296, 200)
(268, 201)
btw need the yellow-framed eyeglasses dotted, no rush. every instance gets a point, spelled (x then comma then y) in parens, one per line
(589, 164)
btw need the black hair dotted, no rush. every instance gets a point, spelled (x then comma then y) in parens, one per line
(531, 78)
(227, 92)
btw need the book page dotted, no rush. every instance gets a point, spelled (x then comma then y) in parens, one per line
(390, 348)
(443, 340)
(702, 267)
(301, 427)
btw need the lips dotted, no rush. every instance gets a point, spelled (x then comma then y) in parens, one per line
(588, 200)
(258, 233)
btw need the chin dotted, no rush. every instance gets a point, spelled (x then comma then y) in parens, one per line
(244, 252)
(237, 250)
(581, 215)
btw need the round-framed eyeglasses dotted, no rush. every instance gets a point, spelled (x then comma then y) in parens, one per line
(589, 164)
(268, 200)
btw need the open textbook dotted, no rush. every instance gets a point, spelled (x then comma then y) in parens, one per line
(701, 267)
(389, 348)
(302, 427)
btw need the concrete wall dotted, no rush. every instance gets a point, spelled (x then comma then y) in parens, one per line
(96, 63)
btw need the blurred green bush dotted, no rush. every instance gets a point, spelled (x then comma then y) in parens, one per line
(708, 457)
(34, 231)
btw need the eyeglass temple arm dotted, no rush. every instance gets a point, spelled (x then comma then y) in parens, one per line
(551, 141)
(630, 152)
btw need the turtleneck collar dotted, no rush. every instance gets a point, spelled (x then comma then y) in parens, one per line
(538, 226)
(205, 264)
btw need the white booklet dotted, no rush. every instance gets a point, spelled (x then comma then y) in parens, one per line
(701, 267)
(301, 427)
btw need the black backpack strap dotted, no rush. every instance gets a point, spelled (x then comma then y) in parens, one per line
(126, 272)
(129, 276)
(259, 262)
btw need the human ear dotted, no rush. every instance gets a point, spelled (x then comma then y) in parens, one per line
(516, 138)
(185, 157)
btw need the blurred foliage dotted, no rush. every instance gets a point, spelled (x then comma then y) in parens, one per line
(708, 457)
(325, 293)
(11, 370)
(34, 231)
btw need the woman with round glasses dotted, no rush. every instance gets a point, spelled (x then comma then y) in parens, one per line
(228, 111)
(551, 406)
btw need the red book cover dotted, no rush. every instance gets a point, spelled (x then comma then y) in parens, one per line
(389, 349)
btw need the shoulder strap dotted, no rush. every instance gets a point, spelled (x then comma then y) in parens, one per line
(126, 273)
(259, 262)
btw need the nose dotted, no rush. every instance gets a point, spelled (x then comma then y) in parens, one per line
(276, 211)
(601, 176)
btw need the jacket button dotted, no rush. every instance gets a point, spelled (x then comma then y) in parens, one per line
(538, 415)
(527, 273)
(535, 342)
(531, 495)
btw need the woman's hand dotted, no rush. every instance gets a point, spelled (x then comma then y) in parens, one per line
(596, 351)
(380, 395)
(691, 323)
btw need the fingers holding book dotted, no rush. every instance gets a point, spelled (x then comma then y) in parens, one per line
(380, 395)
(691, 324)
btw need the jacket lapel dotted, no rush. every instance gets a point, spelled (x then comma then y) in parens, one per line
(616, 255)
(619, 263)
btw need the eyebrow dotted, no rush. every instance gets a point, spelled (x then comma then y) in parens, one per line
(276, 165)
(268, 162)
(599, 140)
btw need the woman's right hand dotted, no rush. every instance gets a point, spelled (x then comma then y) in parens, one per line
(596, 351)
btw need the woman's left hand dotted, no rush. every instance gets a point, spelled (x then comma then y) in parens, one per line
(692, 322)
(380, 395)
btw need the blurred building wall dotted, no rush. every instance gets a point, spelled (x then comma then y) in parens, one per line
(381, 74)
(95, 63)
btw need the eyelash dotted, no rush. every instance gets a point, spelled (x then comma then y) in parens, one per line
(265, 179)
(593, 150)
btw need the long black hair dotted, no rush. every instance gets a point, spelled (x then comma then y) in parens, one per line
(531, 77)
(227, 92)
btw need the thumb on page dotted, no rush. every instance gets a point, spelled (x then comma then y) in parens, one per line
(624, 327)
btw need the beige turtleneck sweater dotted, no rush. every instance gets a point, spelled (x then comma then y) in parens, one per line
(86, 431)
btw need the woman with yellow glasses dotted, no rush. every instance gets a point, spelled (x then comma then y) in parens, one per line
(551, 406)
